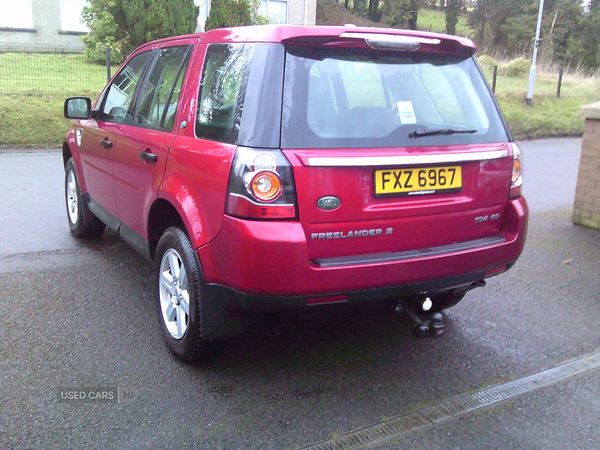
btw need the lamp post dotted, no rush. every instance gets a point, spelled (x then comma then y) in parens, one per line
(528, 101)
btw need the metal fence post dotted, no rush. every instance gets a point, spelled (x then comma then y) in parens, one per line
(494, 77)
(108, 74)
(560, 75)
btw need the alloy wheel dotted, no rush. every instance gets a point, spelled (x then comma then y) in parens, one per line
(72, 203)
(173, 293)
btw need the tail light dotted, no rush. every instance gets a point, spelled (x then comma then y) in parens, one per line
(516, 179)
(261, 185)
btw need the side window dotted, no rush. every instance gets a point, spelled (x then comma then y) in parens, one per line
(222, 90)
(158, 103)
(120, 93)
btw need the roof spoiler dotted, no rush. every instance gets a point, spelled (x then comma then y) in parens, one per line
(383, 39)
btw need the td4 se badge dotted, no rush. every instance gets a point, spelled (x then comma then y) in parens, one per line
(486, 218)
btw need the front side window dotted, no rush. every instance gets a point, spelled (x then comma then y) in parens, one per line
(220, 105)
(159, 100)
(119, 96)
(342, 98)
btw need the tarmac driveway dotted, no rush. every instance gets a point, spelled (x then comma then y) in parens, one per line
(78, 315)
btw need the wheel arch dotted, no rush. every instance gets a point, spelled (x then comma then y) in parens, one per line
(66, 153)
(162, 216)
(200, 212)
(215, 322)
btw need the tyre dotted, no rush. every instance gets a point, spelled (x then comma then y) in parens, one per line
(178, 278)
(82, 222)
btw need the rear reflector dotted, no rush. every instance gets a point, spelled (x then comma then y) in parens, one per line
(495, 271)
(243, 207)
(331, 299)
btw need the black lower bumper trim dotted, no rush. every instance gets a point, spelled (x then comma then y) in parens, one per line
(400, 256)
(234, 301)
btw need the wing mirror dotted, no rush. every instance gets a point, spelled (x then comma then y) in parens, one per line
(78, 108)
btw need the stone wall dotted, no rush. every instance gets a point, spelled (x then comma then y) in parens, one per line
(586, 210)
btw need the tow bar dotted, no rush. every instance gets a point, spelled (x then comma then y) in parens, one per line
(426, 323)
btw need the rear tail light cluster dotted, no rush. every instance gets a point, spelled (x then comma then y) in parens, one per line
(261, 185)
(516, 180)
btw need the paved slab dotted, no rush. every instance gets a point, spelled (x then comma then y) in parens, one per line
(551, 167)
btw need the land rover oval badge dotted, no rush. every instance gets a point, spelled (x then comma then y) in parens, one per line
(329, 203)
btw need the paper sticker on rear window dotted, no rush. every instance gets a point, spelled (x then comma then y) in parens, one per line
(407, 112)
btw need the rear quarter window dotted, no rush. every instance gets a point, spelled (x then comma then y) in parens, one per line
(222, 91)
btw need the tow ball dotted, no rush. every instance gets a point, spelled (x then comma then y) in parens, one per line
(426, 323)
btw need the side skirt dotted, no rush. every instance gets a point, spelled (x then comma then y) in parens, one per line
(137, 242)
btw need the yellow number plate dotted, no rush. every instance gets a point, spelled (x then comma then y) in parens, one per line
(419, 181)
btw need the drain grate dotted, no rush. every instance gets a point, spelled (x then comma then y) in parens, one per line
(457, 406)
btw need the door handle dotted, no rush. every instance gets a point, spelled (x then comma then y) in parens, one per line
(148, 157)
(106, 143)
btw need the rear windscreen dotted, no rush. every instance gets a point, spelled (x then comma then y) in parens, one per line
(350, 98)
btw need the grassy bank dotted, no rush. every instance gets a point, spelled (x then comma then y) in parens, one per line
(549, 116)
(32, 120)
(31, 114)
(33, 87)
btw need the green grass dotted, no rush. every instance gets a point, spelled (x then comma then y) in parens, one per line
(45, 73)
(33, 88)
(549, 116)
(434, 20)
(29, 120)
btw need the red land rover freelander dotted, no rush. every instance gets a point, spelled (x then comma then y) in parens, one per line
(285, 168)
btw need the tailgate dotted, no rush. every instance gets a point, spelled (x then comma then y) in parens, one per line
(353, 203)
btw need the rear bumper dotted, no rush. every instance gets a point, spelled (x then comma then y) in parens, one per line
(237, 302)
(271, 271)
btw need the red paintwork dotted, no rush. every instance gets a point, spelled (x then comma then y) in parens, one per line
(136, 182)
(286, 33)
(441, 219)
(274, 257)
(97, 164)
(195, 183)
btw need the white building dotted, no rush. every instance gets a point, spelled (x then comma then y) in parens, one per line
(57, 22)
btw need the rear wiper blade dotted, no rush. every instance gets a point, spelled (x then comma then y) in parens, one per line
(445, 132)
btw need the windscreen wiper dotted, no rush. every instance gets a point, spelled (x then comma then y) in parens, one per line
(445, 132)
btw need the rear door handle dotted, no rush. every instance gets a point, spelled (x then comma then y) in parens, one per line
(149, 157)
(106, 143)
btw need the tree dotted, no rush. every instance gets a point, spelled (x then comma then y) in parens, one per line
(123, 25)
(453, 10)
(590, 42)
(489, 16)
(517, 32)
(374, 13)
(570, 31)
(401, 13)
(234, 13)
(564, 33)
(360, 8)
